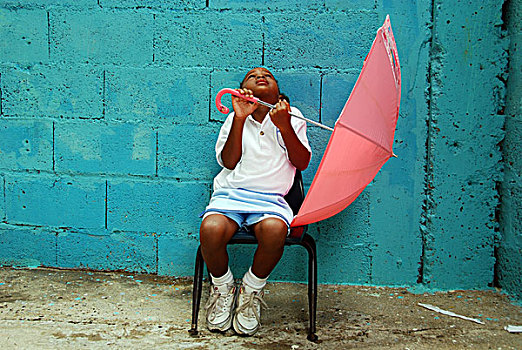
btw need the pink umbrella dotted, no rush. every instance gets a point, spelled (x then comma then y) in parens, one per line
(362, 139)
(363, 136)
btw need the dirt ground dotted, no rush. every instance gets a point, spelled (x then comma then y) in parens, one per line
(69, 309)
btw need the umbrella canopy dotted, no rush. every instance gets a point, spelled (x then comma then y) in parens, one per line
(363, 136)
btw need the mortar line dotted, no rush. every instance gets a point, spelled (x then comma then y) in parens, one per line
(1, 98)
(104, 102)
(153, 38)
(99, 176)
(263, 46)
(54, 147)
(321, 99)
(49, 34)
(56, 248)
(157, 154)
(4, 200)
(106, 203)
(156, 242)
(210, 96)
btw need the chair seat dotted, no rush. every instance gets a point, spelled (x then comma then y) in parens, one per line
(244, 236)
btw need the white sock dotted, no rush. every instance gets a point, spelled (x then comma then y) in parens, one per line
(253, 283)
(224, 282)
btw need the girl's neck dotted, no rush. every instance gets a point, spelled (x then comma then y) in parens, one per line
(260, 113)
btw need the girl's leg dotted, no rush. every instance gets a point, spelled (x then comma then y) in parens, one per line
(214, 233)
(271, 234)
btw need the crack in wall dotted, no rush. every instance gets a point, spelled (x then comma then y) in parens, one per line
(428, 203)
(499, 185)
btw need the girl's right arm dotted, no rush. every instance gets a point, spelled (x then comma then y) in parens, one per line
(232, 151)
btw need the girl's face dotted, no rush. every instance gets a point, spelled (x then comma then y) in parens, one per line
(261, 82)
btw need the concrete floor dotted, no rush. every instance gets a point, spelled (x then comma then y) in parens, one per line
(64, 309)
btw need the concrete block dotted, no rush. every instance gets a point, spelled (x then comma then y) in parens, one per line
(318, 139)
(27, 247)
(158, 95)
(220, 79)
(24, 36)
(334, 40)
(344, 237)
(209, 39)
(462, 243)
(161, 4)
(154, 206)
(102, 250)
(102, 36)
(346, 5)
(394, 231)
(55, 201)
(114, 148)
(52, 91)
(336, 89)
(26, 144)
(355, 266)
(188, 152)
(176, 255)
(304, 91)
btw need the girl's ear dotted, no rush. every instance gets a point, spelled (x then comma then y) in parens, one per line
(284, 97)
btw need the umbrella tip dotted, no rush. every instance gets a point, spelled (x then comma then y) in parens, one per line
(394, 155)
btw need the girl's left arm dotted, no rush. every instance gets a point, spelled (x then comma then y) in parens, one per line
(298, 154)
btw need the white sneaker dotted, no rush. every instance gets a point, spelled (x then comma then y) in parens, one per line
(219, 309)
(247, 316)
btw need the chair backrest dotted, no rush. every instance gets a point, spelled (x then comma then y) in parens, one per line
(295, 196)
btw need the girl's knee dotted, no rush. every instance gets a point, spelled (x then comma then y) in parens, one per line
(272, 232)
(215, 229)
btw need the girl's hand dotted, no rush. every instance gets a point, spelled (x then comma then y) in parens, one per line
(242, 107)
(280, 116)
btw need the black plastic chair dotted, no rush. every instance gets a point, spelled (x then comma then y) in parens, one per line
(298, 236)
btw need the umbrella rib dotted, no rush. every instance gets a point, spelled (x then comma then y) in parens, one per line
(363, 136)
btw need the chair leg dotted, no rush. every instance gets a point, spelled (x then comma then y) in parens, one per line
(309, 243)
(196, 292)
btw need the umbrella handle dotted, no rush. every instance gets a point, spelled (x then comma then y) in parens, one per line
(223, 109)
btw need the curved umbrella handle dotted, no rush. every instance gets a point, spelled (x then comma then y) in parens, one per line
(224, 109)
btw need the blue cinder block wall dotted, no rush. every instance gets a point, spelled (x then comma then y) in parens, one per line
(107, 129)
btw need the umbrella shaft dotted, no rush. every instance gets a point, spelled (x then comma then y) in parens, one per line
(271, 106)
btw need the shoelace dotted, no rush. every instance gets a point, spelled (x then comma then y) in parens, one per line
(213, 303)
(251, 305)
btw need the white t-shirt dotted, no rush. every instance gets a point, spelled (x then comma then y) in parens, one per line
(264, 165)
